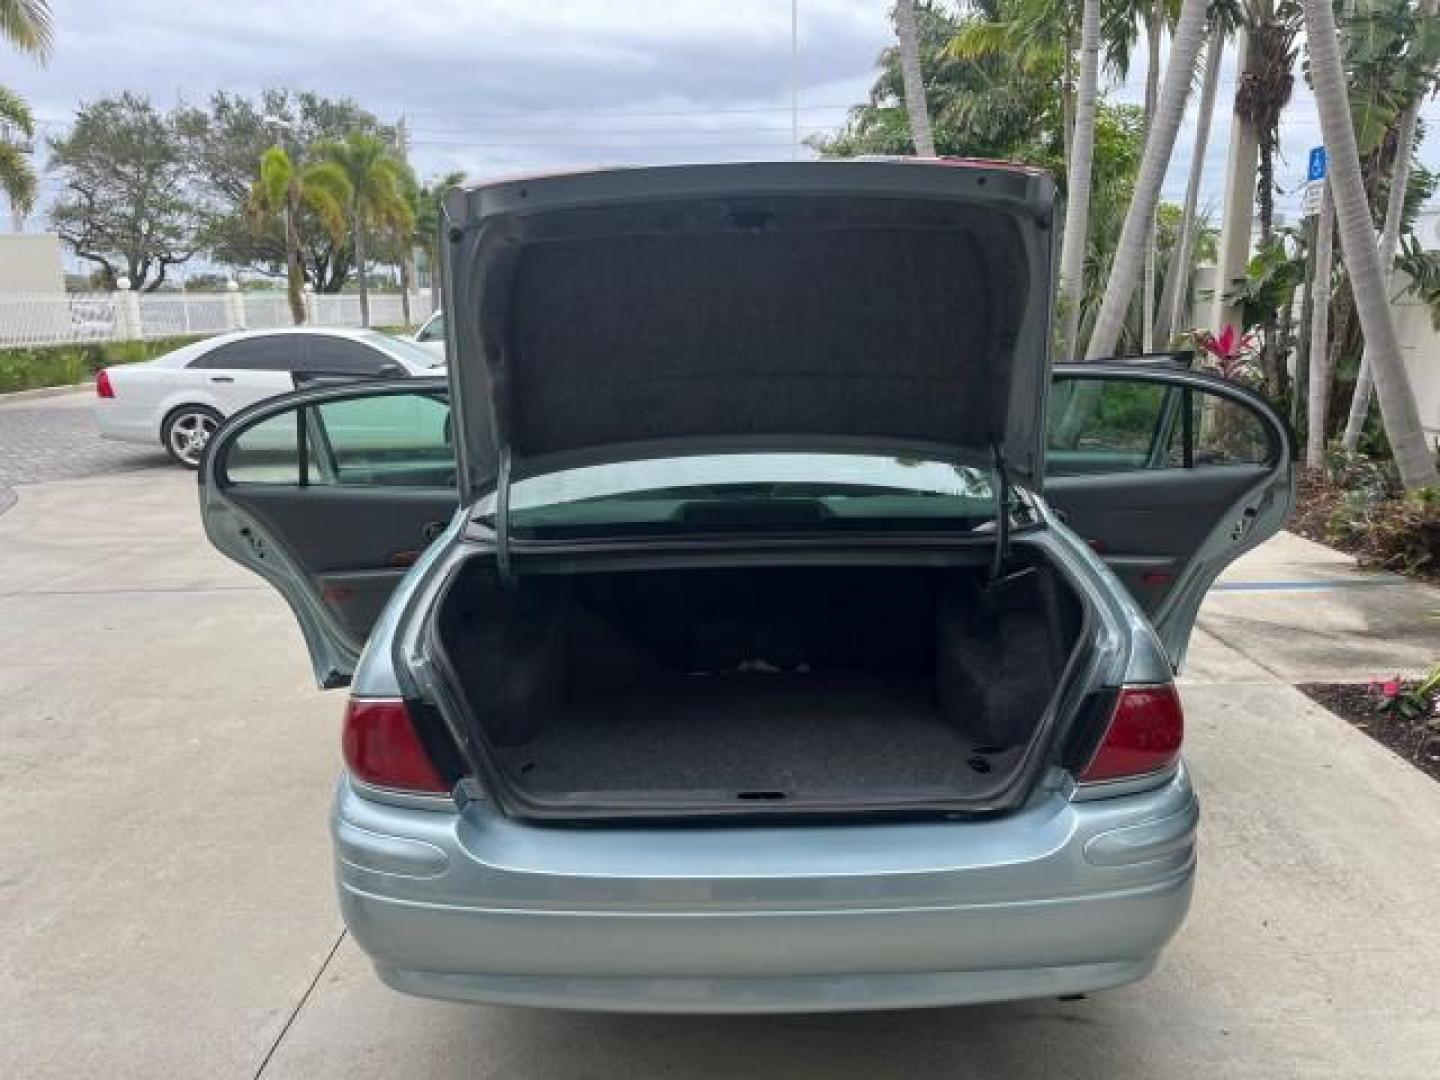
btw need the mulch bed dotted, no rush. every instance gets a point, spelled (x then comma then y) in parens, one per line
(1352, 702)
(1315, 501)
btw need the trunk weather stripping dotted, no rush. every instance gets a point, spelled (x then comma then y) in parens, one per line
(503, 567)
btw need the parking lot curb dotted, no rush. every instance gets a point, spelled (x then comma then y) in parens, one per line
(44, 392)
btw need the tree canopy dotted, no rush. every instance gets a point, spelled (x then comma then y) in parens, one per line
(129, 202)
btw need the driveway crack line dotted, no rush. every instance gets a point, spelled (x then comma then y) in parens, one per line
(304, 998)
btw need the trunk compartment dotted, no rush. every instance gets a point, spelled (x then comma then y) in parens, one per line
(759, 688)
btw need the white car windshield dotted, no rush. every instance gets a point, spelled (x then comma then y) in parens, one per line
(404, 348)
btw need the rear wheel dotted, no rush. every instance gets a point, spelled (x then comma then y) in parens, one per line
(186, 431)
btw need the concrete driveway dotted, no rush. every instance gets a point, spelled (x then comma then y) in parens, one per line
(165, 895)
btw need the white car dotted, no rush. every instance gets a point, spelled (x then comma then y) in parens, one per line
(179, 399)
(431, 336)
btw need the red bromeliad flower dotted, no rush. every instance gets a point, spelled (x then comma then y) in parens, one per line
(1385, 689)
(1230, 352)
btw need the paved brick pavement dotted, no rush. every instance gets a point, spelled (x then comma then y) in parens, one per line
(55, 439)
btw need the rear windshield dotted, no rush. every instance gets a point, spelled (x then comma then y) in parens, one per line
(751, 491)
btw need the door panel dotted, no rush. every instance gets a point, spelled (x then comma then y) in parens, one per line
(1169, 476)
(356, 543)
(331, 495)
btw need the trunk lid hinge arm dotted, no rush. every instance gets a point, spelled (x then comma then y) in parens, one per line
(1000, 578)
(503, 568)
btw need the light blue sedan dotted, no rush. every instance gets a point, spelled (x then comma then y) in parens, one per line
(754, 621)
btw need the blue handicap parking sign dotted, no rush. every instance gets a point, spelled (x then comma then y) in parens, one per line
(1317, 164)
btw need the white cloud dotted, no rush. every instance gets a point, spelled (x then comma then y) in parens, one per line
(492, 86)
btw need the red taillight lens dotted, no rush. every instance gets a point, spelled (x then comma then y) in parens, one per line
(1144, 734)
(102, 384)
(381, 747)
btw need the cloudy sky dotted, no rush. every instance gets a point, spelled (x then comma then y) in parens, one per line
(499, 86)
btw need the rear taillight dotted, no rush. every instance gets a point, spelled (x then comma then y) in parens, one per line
(1144, 735)
(382, 748)
(102, 384)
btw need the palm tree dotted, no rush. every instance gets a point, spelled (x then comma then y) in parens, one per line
(1034, 37)
(282, 192)
(1078, 174)
(1413, 458)
(1263, 91)
(399, 224)
(1159, 143)
(1318, 384)
(376, 195)
(17, 178)
(1177, 282)
(27, 25)
(427, 226)
(1389, 237)
(1156, 16)
(915, 104)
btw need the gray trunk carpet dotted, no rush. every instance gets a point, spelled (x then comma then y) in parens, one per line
(796, 733)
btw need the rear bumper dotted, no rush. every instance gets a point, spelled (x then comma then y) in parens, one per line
(117, 423)
(1059, 898)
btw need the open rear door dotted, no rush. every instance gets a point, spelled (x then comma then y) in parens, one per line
(331, 495)
(1170, 475)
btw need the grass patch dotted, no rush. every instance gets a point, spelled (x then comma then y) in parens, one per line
(32, 367)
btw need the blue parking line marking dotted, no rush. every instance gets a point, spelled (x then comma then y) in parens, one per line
(1305, 586)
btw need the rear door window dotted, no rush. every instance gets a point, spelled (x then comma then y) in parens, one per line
(325, 355)
(1126, 425)
(269, 352)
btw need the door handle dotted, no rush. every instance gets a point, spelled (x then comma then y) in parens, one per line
(221, 378)
(431, 529)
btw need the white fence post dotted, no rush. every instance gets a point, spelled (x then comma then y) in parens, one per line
(237, 304)
(127, 311)
(308, 294)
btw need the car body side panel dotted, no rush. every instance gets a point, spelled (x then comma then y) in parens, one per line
(146, 393)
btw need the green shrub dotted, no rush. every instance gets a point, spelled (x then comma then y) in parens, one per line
(31, 367)
(1400, 533)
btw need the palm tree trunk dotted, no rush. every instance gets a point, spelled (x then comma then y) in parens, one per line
(1170, 110)
(1413, 458)
(1077, 201)
(294, 273)
(913, 78)
(1317, 396)
(1067, 96)
(1389, 241)
(434, 276)
(1238, 213)
(1175, 303)
(1152, 82)
(362, 271)
(406, 276)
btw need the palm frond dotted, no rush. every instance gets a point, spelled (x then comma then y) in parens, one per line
(327, 207)
(28, 26)
(980, 41)
(267, 195)
(17, 178)
(15, 112)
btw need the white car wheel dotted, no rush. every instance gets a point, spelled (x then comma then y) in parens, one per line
(186, 432)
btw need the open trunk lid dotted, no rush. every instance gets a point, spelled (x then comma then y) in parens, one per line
(892, 307)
